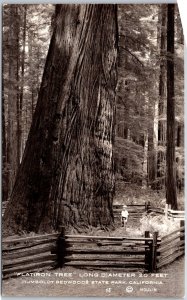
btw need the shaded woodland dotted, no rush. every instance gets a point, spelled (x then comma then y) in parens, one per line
(92, 96)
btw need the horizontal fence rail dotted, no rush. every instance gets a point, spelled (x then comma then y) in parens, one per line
(106, 252)
(36, 253)
(171, 247)
(44, 252)
(27, 254)
(135, 210)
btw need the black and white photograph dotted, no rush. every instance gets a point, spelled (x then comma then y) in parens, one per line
(92, 150)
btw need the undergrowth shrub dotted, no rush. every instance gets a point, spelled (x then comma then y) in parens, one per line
(161, 224)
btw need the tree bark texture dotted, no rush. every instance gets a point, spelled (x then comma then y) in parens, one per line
(4, 148)
(162, 96)
(66, 176)
(12, 153)
(22, 63)
(151, 166)
(17, 49)
(171, 192)
(162, 86)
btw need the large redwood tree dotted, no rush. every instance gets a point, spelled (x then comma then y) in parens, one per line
(66, 176)
(171, 187)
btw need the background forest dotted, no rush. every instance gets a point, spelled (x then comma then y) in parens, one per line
(142, 93)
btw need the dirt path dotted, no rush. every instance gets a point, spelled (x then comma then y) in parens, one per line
(169, 282)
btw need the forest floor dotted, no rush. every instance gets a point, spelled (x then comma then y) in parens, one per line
(169, 282)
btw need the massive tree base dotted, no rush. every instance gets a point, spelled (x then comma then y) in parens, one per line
(67, 173)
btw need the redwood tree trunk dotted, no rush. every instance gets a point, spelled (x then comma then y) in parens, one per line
(151, 168)
(4, 148)
(179, 160)
(17, 50)
(171, 192)
(12, 153)
(22, 65)
(162, 98)
(66, 176)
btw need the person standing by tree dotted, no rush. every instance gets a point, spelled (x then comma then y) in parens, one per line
(124, 216)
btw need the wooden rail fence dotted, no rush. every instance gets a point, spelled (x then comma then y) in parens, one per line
(171, 246)
(28, 254)
(41, 252)
(135, 210)
(45, 252)
(107, 252)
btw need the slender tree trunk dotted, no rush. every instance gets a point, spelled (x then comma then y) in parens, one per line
(32, 73)
(179, 161)
(32, 101)
(179, 134)
(17, 28)
(66, 176)
(126, 108)
(145, 160)
(162, 97)
(151, 154)
(4, 148)
(162, 86)
(171, 192)
(12, 154)
(20, 137)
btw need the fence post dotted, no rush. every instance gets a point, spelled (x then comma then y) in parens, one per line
(154, 252)
(61, 248)
(169, 213)
(166, 210)
(182, 238)
(145, 206)
(147, 252)
(181, 225)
